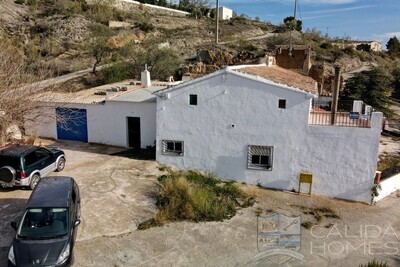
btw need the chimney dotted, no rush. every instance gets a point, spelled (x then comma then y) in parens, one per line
(335, 95)
(145, 77)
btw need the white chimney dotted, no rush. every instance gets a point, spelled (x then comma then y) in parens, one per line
(145, 77)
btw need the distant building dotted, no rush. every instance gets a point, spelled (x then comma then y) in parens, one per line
(375, 45)
(296, 57)
(225, 13)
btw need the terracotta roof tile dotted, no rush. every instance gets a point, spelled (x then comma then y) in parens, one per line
(283, 76)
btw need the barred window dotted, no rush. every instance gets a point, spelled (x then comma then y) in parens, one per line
(259, 157)
(174, 148)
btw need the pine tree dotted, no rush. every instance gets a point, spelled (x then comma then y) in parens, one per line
(393, 46)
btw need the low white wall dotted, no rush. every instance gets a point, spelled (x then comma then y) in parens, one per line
(388, 186)
(157, 7)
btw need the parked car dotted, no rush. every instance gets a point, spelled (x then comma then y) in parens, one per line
(24, 165)
(46, 234)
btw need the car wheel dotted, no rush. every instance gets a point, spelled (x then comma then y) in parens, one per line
(60, 164)
(34, 181)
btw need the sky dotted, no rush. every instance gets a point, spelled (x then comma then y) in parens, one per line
(358, 19)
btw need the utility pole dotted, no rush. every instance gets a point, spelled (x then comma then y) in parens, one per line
(294, 26)
(216, 22)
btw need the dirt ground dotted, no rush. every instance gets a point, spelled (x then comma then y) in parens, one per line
(118, 193)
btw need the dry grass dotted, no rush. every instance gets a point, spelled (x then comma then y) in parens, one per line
(196, 197)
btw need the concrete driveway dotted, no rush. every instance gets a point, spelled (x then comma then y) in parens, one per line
(118, 193)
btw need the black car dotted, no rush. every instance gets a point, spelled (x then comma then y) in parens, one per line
(47, 231)
(24, 165)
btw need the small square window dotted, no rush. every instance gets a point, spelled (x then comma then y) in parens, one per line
(260, 157)
(174, 148)
(193, 100)
(282, 103)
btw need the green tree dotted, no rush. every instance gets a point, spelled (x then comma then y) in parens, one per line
(98, 44)
(162, 61)
(373, 87)
(393, 46)
(293, 24)
(396, 83)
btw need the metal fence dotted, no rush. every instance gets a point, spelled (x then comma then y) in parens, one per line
(344, 119)
(320, 114)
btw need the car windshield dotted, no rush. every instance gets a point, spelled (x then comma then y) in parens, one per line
(40, 223)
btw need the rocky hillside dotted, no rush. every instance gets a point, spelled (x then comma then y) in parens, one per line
(61, 34)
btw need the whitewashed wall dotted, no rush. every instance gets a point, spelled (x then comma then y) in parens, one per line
(343, 160)
(107, 123)
(388, 186)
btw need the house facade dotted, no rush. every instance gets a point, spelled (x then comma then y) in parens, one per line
(255, 125)
(103, 115)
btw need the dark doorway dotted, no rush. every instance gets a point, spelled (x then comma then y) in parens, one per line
(134, 132)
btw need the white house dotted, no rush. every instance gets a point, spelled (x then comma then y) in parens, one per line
(256, 125)
(122, 114)
(225, 13)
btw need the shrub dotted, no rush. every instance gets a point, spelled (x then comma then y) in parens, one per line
(115, 73)
(196, 197)
(375, 263)
(146, 26)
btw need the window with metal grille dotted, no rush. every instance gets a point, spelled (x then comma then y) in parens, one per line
(259, 157)
(193, 100)
(174, 148)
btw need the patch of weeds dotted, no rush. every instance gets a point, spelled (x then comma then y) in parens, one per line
(307, 224)
(148, 224)
(318, 214)
(191, 195)
(164, 168)
(318, 217)
(270, 211)
(375, 263)
(398, 193)
(258, 211)
(329, 225)
(259, 185)
(148, 153)
(389, 165)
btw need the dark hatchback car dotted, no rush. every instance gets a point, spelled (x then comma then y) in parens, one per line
(24, 165)
(46, 233)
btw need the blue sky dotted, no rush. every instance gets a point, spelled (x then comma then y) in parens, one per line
(360, 19)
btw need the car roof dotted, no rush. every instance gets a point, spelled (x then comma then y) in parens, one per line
(51, 192)
(17, 150)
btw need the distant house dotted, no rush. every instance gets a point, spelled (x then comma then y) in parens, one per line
(293, 57)
(225, 13)
(257, 124)
(374, 45)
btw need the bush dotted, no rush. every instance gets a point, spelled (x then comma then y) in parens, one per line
(115, 73)
(146, 26)
(375, 263)
(196, 197)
